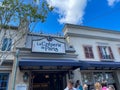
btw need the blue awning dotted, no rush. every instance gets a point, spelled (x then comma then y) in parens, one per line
(49, 62)
(101, 65)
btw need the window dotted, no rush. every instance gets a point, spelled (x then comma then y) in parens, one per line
(3, 81)
(88, 52)
(87, 77)
(90, 78)
(6, 45)
(104, 76)
(105, 52)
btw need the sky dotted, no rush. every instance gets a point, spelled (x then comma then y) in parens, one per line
(103, 14)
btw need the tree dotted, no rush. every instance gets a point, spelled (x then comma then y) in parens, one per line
(23, 14)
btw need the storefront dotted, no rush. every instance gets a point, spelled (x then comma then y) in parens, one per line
(47, 65)
(103, 72)
(48, 74)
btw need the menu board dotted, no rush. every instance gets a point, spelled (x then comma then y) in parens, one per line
(21, 87)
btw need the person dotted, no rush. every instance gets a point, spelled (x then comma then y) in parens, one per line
(111, 87)
(85, 87)
(97, 86)
(70, 86)
(104, 86)
(78, 86)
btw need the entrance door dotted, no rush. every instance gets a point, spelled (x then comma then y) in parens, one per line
(47, 81)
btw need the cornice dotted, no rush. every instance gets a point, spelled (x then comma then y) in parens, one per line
(90, 28)
(92, 37)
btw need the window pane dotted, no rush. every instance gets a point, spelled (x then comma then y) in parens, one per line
(90, 49)
(4, 77)
(87, 77)
(88, 52)
(85, 49)
(98, 77)
(3, 84)
(109, 77)
(7, 43)
(4, 45)
(105, 52)
(91, 55)
(3, 81)
(87, 55)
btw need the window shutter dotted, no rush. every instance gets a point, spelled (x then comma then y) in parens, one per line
(99, 51)
(111, 54)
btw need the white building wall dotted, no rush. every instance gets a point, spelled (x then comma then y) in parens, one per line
(80, 37)
(18, 40)
(79, 42)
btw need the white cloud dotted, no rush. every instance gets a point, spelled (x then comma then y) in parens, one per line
(112, 2)
(70, 11)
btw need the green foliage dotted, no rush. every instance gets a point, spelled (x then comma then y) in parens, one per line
(19, 11)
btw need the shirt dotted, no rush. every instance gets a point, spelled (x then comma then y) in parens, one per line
(104, 88)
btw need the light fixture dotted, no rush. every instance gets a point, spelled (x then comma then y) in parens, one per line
(25, 76)
(46, 76)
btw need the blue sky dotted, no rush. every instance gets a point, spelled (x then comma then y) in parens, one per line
(93, 13)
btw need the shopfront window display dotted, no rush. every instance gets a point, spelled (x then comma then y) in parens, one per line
(90, 78)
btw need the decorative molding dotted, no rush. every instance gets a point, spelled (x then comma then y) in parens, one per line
(102, 43)
(92, 37)
(89, 28)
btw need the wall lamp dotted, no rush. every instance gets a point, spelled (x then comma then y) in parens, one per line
(25, 76)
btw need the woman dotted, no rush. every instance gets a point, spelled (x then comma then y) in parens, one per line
(111, 87)
(78, 86)
(85, 87)
(97, 86)
(104, 86)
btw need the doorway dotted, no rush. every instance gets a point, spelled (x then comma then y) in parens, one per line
(47, 80)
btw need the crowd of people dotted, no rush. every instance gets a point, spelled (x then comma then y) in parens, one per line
(78, 86)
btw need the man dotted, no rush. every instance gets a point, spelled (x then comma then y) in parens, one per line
(70, 86)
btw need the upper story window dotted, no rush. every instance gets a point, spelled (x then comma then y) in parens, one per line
(105, 52)
(6, 45)
(88, 52)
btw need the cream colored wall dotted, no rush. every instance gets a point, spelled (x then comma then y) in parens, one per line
(80, 39)
(78, 42)
(19, 79)
(15, 35)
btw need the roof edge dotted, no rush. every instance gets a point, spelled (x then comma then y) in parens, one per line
(67, 25)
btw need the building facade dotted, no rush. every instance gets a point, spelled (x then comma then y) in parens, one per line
(99, 50)
(46, 62)
(10, 38)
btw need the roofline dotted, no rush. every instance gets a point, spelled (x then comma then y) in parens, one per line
(46, 35)
(67, 25)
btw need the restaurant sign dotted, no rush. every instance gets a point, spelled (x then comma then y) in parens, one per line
(48, 45)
